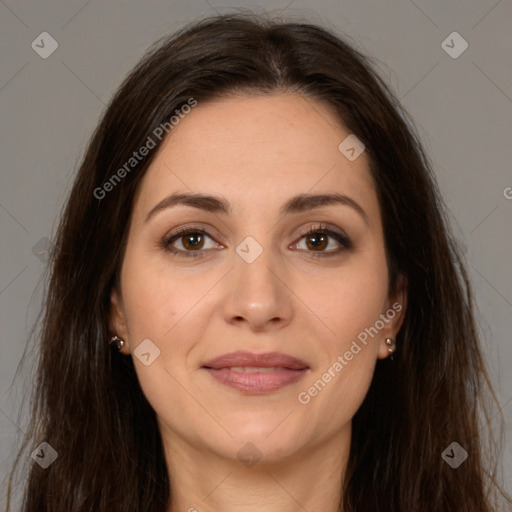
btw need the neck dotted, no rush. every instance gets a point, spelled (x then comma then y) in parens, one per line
(309, 480)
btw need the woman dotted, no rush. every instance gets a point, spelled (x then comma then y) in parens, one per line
(255, 301)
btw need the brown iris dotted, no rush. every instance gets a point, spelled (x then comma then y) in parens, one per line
(193, 241)
(317, 241)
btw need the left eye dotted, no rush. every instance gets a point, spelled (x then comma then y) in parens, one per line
(317, 240)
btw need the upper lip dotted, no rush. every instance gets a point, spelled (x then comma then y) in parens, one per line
(248, 359)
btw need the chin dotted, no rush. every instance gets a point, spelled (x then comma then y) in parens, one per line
(273, 443)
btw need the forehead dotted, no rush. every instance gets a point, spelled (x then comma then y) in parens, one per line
(257, 150)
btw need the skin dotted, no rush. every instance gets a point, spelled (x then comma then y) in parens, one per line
(257, 152)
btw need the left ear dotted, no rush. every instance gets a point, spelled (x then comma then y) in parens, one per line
(394, 316)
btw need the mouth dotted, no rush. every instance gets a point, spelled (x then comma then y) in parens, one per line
(256, 373)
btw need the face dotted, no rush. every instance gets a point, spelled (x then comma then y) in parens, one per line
(255, 272)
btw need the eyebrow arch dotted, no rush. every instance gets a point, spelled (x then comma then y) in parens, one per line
(217, 204)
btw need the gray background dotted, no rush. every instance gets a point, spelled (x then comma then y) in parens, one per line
(49, 107)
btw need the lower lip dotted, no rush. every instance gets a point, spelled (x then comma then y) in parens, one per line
(257, 382)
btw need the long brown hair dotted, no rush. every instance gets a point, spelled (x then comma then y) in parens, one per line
(87, 402)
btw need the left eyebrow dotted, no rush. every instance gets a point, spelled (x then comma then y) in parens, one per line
(306, 202)
(217, 204)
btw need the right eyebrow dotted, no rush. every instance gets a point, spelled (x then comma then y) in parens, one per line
(208, 203)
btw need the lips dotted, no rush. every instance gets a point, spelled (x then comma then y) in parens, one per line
(248, 359)
(256, 373)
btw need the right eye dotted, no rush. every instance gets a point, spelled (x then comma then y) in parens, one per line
(192, 241)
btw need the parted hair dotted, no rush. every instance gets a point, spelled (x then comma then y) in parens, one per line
(87, 402)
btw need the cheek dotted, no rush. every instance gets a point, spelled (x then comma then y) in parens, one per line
(333, 403)
(156, 299)
(337, 388)
(351, 299)
(350, 309)
(160, 306)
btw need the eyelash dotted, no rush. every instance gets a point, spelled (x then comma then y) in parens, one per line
(341, 238)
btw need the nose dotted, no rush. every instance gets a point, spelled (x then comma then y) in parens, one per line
(259, 294)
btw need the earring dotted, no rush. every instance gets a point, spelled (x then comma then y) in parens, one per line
(390, 342)
(118, 342)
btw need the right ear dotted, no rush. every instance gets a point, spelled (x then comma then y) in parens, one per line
(117, 319)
